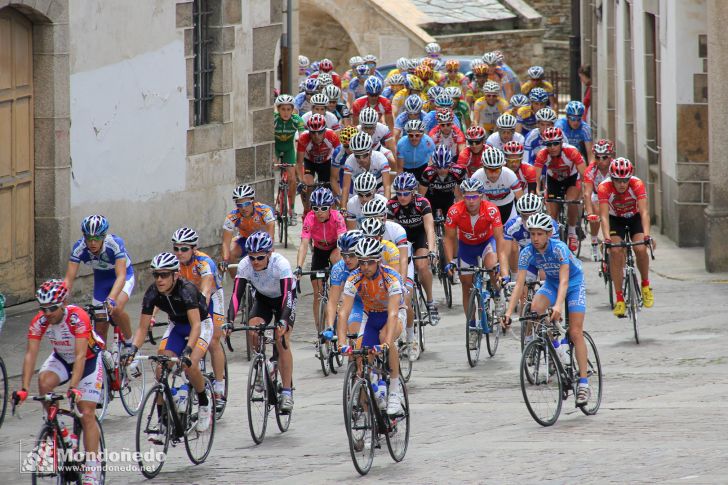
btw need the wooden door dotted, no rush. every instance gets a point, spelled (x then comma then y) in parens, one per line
(16, 157)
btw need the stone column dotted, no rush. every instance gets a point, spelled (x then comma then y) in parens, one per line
(716, 224)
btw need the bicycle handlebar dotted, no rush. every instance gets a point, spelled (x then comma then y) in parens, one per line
(625, 244)
(559, 200)
(254, 328)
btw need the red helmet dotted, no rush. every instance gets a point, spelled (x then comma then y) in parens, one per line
(552, 134)
(52, 292)
(621, 168)
(513, 148)
(452, 65)
(475, 133)
(316, 122)
(325, 65)
(603, 147)
(444, 115)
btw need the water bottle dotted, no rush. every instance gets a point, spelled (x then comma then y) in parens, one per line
(69, 439)
(561, 350)
(108, 360)
(182, 393)
(381, 394)
(175, 396)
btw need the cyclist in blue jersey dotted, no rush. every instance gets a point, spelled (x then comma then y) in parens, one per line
(577, 131)
(340, 271)
(302, 101)
(545, 118)
(442, 100)
(564, 284)
(113, 273)
(412, 111)
(415, 150)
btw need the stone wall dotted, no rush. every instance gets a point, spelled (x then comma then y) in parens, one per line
(556, 17)
(323, 36)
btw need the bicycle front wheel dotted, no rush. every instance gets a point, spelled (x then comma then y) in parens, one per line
(102, 407)
(257, 399)
(421, 320)
(492, 338)
(473, 334)
(46, 463)
(405, 364)
(324, 350)
(541, 382)
(634, 304)
(361, 427)
(399, 429)
(154, 422)
(133, 384)
(526, 326)
(349, 380)
(282, 419)
(3, 391)
(199, 443)
(594, 374)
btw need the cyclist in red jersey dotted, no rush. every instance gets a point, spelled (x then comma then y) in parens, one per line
(526, 173)
(596, 173)
(373, 99)
(314, 151)
(446, 133)
(472, 156)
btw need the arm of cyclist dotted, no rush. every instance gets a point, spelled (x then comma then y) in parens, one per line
(387, 183)
(403, 259)
(347, 304)
(539, 173)
(604, 214)
(120, 270)
(450, 245)
(588, 191)
(288, 304)
(429, 223)
(207, 287)
(301, 256)
(270, 228)
(393, 327)
(345, 188)
(299, 165)
(332, 303)
(515, 295)
(193, 316)
(71, 272)
(31, 356)
(500, 244)
(644, 212)
(237, 297)
(227, 239)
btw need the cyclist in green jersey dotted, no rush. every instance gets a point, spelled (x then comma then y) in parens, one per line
(286, 124)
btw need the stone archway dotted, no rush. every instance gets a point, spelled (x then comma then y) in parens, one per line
(323, 36)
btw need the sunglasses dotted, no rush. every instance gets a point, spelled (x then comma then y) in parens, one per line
(317, 132)
(491, 96)
(475, 142)
(365, 194)
(49, 309)
(602, 157)
(243, 205)
(472, 197)
(573, 118)
(321, 208)
(367, 262)
(95, 238)
(552, 144)
(348, 255)
(181, 249)
(493, 169)
(506, 132)
(445, 124)
(161, 274)
(414, 135)
(452, 71)
(257, 258)
(619, 180)
(404, 194)
(362, 157)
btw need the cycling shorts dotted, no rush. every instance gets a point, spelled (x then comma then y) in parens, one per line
(558, 188)
(507, 212)
(102, 288)
(373, 323)
(267, 308)
(418, 238)
(441, 201)
(357, 313)
(217, 308)
(468, 253)
(620, 226)
(175, 337)
(417, 172)
(321, 171)
(575, 295)
(320, 260)
(288, 157)
(91, 382)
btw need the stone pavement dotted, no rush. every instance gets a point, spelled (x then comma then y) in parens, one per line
(662, 417)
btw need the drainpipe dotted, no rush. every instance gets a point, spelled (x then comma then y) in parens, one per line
(287, 42)
(575, 51)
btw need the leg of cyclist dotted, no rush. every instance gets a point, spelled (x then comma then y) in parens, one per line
(572, 210)
(217, 355)
(121, 317)
(285, 366)
(643, 264)
(616, 268)
(422, 266)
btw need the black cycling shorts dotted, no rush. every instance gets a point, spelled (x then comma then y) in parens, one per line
(620, 226)
(417, 172)
(320, 171)
(441, 201)
(266, 308)
(418, 238)
(558, 188)
(320, 260)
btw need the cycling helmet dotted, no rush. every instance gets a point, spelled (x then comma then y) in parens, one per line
(413, 104)
(185, 235)
(433, 48)
(243, 192)
(332, 92)
(315, 66)
(374, 208)
(415, 83)
(442, 156)
(491, 87)
(95, 225)
(546, 114)
(325, 65)
(365, 182)
(535, 72)
(346, 134)
(320, 99)
(370, 58)
(499, 56)
(414, 126)
(165, 261)
(368, 117)
(423, 72)
(529, 204)
(373, 85)
(368, 248)
(452, 65)
(259, 242)
(404, 181)
(444, 115)
(541, 221)
(538, 95)
(506, 122)
(518, 100)
(372, 227)
(355, 61)
(434, 92)
(402, 63)
(443, 100)
(475, 133)
(325, 79)
(396, 80)
(603, 147)
(284, 99)
(311, 85)
(575, 108)
(471, 185)
(303, 62)
(493, 158)
(454, 92)
(552, 134)
(413, 63)
(621, 168)
(348, 240)
(52, 292)
(361, 142)
(513, 148)
(361, 70)
(490, 58)
(475, 63)
(429, 62)
(480, 69)
(322, 196)
(316, 122)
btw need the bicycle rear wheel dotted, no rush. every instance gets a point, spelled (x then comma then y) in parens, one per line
(421, 320)
(324, 350)
(541, 382)
(474, 310)
(257, 399)
(3, 391)
(399, 429)
(493, 337)
(634, 305)
(199, 443)
(102, 407)
(133, 387)
(361, 427)
(594, 374)
(154, 423)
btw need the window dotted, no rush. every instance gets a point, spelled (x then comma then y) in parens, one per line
(203, 67)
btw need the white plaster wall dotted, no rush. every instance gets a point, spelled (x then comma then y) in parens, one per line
(602, 74)
(621, 93)
(638, 73)
(669, 22)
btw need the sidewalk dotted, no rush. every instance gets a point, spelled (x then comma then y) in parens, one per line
(683, 264)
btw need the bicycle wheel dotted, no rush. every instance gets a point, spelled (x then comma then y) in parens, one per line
(324, 350)
(361, 427)
(282, 419)
(607, 275)
(594, 374)
(442, 274)
(280, 208)
(78, 430)
(132, 387)
(3, 391)
(257, 399)
(492, 338)
(526, 326)
(199, 443)
(474, 311)
(45, 463)
(349, 380)
(399, 429)
(423, 319)
(541, 382)
(405, 364)
(153, 432)
(635, 302)
(102, 407)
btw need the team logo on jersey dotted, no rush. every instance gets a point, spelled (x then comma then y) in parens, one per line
(492, 211)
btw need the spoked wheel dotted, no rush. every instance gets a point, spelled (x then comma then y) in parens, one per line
(102, 407)
(420, 319)
(3, 391)
(101, 458)
(447, 285)
(594, 374)
(634, 305)
(405, 364)
(153, 432)
(336, 360)
(199, 443)
(399, 428)
(133, 385)
(257, 400)
(580, 236)
(541, 382)
(282, 419)
(48, 460)
(607, 275)
(222, 404)
(349, 381)
(492, 338)
(361, 427)
(247, 297)
(473, 334)
(324, 346)
(442, 274)
(526, 326)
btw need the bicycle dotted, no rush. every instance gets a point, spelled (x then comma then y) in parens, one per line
(606, 275)
(531, 289)
(419, 307)
(282, 207)
(546, 380)
(563, 221)
(325, 348)
(363, 418)
(161, 419)
(222, 403)
(245, 306)
(630, 284)
(482, 310)
(129, 383)
(264, 377)
(58, 452)
(442, 275)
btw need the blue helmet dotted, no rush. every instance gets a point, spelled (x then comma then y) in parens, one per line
(361, 69)
(311, 85)
(472, 185)
(435, 91)
(518, 100)
(314, 66)
(322, 196)
(373, 85)
(404, 181)
(538, 95)
(442, 157)
(443, 100)
(348, 240)
(259, 242)
(95, 225)
(575, 108)
(413, 104)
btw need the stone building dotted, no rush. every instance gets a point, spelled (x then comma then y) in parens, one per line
(147, 112)
(655, 65)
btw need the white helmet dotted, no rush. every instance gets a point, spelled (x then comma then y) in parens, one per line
(243, 192)
(320, 99)
(368, 117)
(355, 61)
(185, 235)
(471, 185)
(165, 261)
(529, 204)
(325, 79)
(402, 64)
(506, 121)
(372, 227)
(368, 248)
(535, 72)
(332, 92)
(491, 87)
(490, 58)
(303, 61)
(433, 48)
(540, 221)
(374, 208)
(546, 114)
(370, 58)
(365, 182)
(361, 142)
(284, 99)
(493, 158)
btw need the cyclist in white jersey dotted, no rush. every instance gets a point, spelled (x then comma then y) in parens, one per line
(502, 186)
(380, 133)
(364, 159)
(319, 104)
(365, 189)
(506, 124)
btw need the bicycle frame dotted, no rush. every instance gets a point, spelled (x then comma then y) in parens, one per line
(166, 370)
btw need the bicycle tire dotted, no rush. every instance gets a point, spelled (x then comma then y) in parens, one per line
(398, 449)
(126, 393)
(103, 409)
(442, 274)
(283, 420)
(361, 436)
(191, 435)
(324, 350)
(257, 368)
(78, 429)
(3, 391)
(142, 430)
(474, 306)
(492, 338)
(350, 378)
(405, 370)
(543, 356)
(526, 326)
(422, 320)
(219, 405)
(594, 373)
(633, 305)
(49, 438)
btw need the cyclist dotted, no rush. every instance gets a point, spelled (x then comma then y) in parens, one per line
(517, 101)
(506, 124)
(414, 86)
(526, 115)
(496, 73)
(489, 107)
(395, 83)
(319, 105)
(480, 75)
(623, 209)
(433, 50)
(476, 226)
(526, 173)
(248, 217)
(274, 287)
(578, 132)
(338, 276)
(302, 101)
(350, 73)
(415, 150)
(356, 85)
(445, 133)
(303, 64)
(327, 67)
(536, 75)
(189, 332)
(381, 293)
(374, 100)
(380, 133)
(440, 181)
(371, 62)
(337, 106)
(413, 212)
(500, 185)
(442, 101)
(564, 284)
(321, 228)
(365, 188)
(454, 77)
(400, 69)
(287, 125)
(315, 149)
(364, 159)
(460, 107)
(564, 166)
(472, 156)
(545, 119)
(113, 272)
(412, 111)
(511, 83)
(75, 359)
(341, 153)
(596, 173)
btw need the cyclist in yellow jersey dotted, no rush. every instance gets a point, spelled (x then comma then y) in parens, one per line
(536, 75)
(414, 85)
(489, 107)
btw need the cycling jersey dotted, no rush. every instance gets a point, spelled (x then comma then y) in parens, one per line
(356, 87)
(451, 141)
(414, 156)
(537, 83)
(395, 233)
(378, 164)
(200, 265)
(341, 111)
(475, 229)
(486, 115)
(460, 81)
(563, 166)
(400, 97)
(375, 292)
(499, 192)
(526, 176)
(337, 161)
(318, 153)
(335, 78)
(323, 235)
(494, 139)
(267, 282)
(332, 121)
(103, 265)
(462, 113)
(337, 277)
(74, 324)
(411, 216)
(510, 78)
(526, 117)
(577, 137)
(390, 253)
(262, 215)
(515, 230)
(436, 184)
(184, 296)
(624, 204)
(430, 120)
(470, 160)
(404, 117)
(556, 254)
(381, 135)
(285, 133)
(354, 205)
(533, 145)
(302, 103)
(593, 176)
(382, 106)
